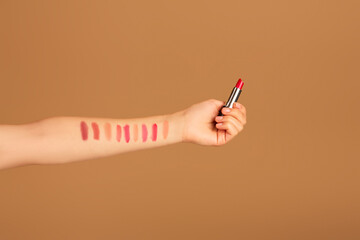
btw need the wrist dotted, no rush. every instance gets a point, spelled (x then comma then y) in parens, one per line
(177, 125)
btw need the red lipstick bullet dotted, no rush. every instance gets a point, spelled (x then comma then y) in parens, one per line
(234, 96)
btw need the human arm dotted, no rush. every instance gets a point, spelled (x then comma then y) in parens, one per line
(68, 139)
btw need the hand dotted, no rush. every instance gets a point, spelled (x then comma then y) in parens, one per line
(204, 127)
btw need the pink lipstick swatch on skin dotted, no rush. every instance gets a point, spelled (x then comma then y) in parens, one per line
(144, 133)
(84, 130)
(154, 132)
(107, 128)
(165, 129)
(118, 133)
(96, 131)
(127, 133)
(136, 132)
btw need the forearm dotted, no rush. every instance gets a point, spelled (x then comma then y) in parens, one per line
(67, 139)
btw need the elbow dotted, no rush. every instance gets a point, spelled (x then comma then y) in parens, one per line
(3, 158)
(18, 144)
(7, 160)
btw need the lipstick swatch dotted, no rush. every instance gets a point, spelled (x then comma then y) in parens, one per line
(119, 130)
(84, 130)
(154, 132)
(118, 133)
(96, 130)
(107, 129)
(144, 133)
(165, 129)
(136, 132)
(127, 133)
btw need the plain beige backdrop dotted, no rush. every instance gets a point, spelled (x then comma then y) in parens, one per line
(293, 173)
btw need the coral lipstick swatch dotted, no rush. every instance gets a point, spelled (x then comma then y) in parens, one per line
(129, 133)
(144, 133)
(96, 130)
(107, 129)
(165, 129)
(136, 132)
(118, 133)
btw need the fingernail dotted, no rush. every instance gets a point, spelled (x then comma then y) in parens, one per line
(219, 118)
(226, 110)
(219, 124)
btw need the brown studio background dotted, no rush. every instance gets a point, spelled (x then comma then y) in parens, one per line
(293, 173)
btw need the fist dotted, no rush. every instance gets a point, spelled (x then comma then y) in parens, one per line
(204, 127)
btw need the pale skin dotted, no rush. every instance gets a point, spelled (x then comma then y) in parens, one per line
(58, 140)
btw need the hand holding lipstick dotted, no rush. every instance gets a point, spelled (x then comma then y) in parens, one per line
(199, 124)
(230, 118)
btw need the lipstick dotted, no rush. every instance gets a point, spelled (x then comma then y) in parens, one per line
(234, 96)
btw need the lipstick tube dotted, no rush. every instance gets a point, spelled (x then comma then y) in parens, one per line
(234, 96)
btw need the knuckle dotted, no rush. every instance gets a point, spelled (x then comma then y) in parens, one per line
(229, 119)
(228, 124)
(238, 114)
(213, 100)
(226, 118)
(243, 108)
(235, 112)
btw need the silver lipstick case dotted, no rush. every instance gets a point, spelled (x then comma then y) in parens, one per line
(234, 96)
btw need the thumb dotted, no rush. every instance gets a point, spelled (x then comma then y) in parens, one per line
(217, 103)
